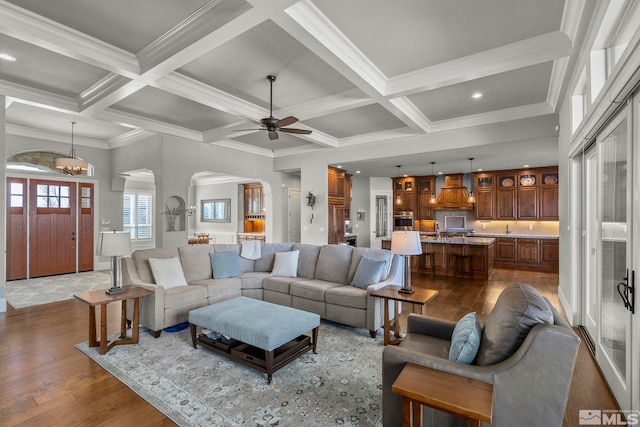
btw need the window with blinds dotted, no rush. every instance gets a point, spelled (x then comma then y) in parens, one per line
(137, 210)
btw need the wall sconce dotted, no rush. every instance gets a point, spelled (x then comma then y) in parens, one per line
(191, 210)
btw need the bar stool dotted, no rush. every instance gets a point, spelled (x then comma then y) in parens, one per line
(460, 262)
(430, 259)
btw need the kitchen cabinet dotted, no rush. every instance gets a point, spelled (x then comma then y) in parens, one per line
(336, 183)
(336, 224)
(549, 194)
(253, 199)
(347, 196)
(426, 186)
(549, 251)
(527, 203)
(505, 249)
(527, 250)
(484, 188)
(404, 194)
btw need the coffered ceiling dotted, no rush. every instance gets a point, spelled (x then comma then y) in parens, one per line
(353, 72)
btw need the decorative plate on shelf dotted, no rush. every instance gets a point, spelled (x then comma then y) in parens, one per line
(507, 182)
(550, 179)
(527, 181)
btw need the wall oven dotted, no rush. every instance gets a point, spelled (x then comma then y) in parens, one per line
(403, 221)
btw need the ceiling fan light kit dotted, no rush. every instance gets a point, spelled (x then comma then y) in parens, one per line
(273, 125)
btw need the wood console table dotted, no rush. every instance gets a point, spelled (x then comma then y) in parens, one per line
(95, 298)
(457, 395)
(418, 298)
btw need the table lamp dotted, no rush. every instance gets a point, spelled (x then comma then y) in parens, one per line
(406, 243)
(114, 244)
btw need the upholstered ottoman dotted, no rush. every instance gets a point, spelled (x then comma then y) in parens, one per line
(262, 335)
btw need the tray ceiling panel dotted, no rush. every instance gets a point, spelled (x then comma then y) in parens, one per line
(369, 119)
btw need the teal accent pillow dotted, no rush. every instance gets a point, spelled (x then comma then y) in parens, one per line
(225, 264)
(465, 341)
(369, 271)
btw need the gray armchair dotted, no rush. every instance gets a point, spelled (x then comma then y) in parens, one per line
(531, 385)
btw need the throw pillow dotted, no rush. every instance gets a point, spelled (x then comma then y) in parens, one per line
(466, 339)
(369, 271)
(518, 309)
(225, 264)
(286, 264)
(167, 272)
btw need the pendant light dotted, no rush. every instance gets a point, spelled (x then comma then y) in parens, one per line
(472, 199)
(433, 193)
(71, 165)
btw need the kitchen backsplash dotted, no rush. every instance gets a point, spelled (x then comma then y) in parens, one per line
(523, 228)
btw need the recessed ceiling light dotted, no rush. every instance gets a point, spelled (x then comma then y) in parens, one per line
(357, 171)
(440, 173)
(7, 57)
(405, 175)
(339, 166)
(477, 95)
(525, 166)
(480, 169)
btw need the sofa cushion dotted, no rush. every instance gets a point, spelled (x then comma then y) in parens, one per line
(347, 296)
(141, 258)
(380, 254)
(518, 309)
(466, 339)
(225, 264)
(278, 284)
(425, 344)
(333, 263)
(246, 265)
(268, 255)
(286, 264)
(369, 271)
(184, 296)
(307, 260)
(253, 279)
(311, 289)
(218, 287)
(196, 262)
(167, 272)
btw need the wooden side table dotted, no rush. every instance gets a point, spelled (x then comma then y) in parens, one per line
(457, 395)
(418, 299)
(100, 298)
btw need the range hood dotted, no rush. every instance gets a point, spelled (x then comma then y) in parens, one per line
(453, 196)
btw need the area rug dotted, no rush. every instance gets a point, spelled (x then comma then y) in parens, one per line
(43, 290)
(341, 385)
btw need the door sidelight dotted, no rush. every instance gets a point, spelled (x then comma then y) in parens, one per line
(627, 291)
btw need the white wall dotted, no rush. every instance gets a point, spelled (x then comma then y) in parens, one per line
(361, 191)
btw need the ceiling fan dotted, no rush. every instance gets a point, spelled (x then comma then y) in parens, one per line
(273, 125)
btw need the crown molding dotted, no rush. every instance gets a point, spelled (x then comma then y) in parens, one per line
(508, 114)
(133, 121)
(535, 50)
(28, 132)
(45, 33)
(101, 89)
(316, 23)
(418, 120)
(558, 74)
(129, 138)
(39, 98)
(245, 148)
(383, 136)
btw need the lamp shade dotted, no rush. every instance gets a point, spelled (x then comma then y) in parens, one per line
(406, 243)
(114, 243)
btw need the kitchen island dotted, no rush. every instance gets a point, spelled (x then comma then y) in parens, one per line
(455, 256)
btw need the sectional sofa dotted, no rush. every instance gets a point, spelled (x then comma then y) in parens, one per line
(321, 284)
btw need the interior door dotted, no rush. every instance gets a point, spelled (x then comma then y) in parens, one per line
(52, 228)
(614, 341)
(381, 221)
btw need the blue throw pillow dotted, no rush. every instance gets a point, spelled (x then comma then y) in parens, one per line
(369, 271)
(466, 339)
(225, 264)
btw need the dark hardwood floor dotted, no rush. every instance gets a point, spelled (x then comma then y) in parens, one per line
(46, 381)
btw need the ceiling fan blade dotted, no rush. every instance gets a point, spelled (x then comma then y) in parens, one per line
(273, 135)
(298, 131)
(286, 121)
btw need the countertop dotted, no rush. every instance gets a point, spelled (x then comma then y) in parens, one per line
(251, 234)
(517, 236)
(482, 241)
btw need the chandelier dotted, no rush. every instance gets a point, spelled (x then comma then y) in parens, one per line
(71, 165)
